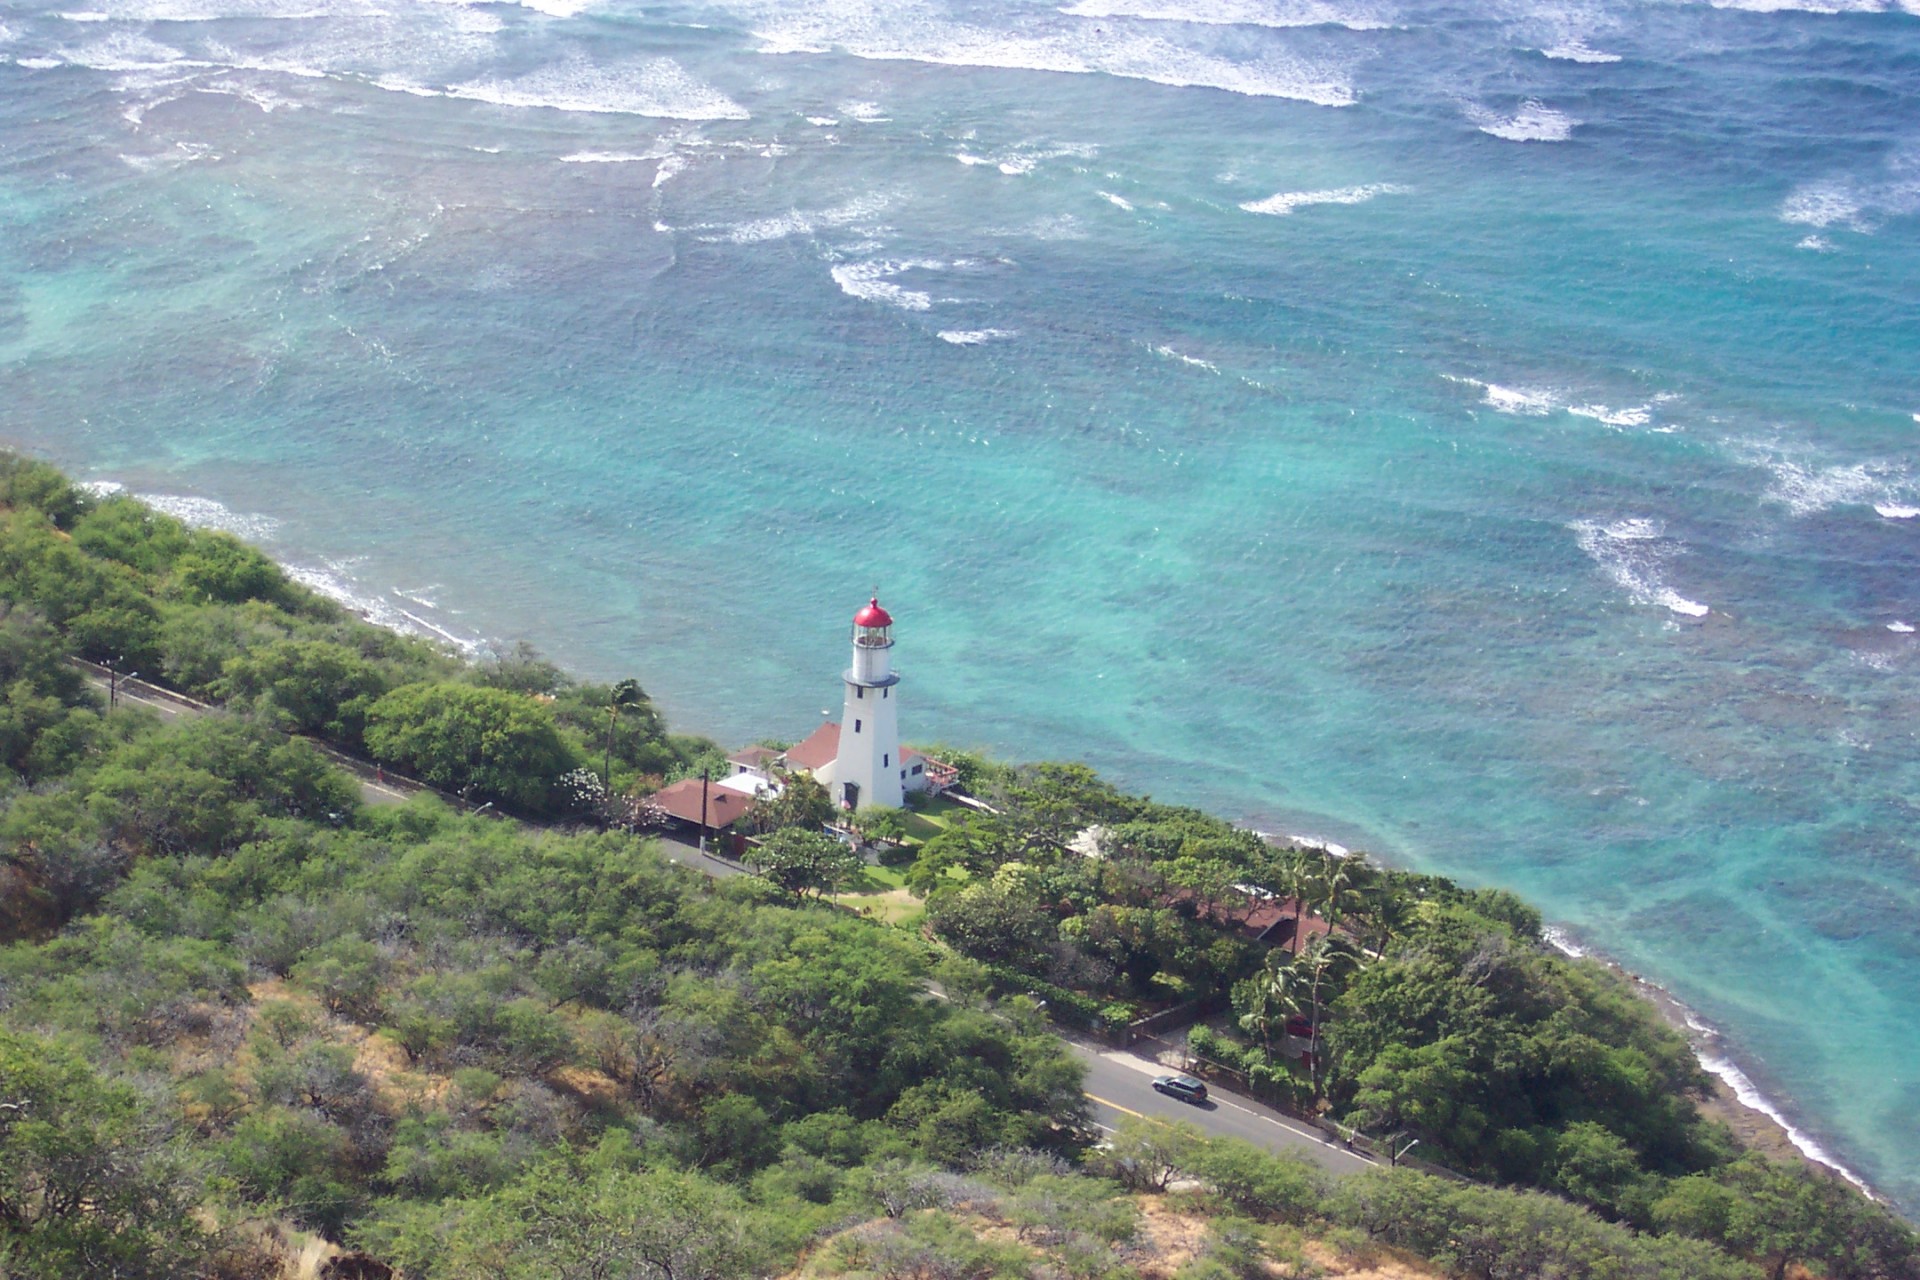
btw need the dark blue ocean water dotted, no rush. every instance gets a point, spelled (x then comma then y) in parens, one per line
(1484, 434)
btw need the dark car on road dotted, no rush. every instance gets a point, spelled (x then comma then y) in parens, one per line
(1186, 1088)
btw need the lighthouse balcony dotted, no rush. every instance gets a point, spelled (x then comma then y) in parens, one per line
(869, 681)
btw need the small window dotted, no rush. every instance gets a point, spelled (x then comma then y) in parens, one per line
(886, 758)
(856, 726)
(916, 768)
(903, 775)
(885, 692)
(859, 691)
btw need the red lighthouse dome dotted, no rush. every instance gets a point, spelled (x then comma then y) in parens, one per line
(872, 615)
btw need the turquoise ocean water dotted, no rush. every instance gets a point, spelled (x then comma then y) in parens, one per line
(1480, 433)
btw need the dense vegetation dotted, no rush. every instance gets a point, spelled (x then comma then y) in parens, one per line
(241, 1012)
(202, 612)
(1429, 1012)
(1434, 1010)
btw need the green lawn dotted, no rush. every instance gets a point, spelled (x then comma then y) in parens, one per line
(937, 816)
(874, 879)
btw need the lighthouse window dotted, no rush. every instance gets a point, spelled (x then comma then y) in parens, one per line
(856, 726)
(859, 691)
(886, 759)
(885, 692)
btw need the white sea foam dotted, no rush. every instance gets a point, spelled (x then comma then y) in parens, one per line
(205, 513)
(1822, 204)
(1118, 202)
(865, 112)
(126, 51)
(873, 281)
(1578, 51)
(669, 166)
(1529, 401)
(1634, 552)
(604, 157)
(976, 337)
(181, 153)
(1855, 205)
(1235, 13)
(1638, 416)
(1322, 843)
(657, 87)
(1804, 486)
(1750, 1097)
(1806, 6)
(556, 8)
(1901, 628)
(1287, 201)
(225, 10)
(1706, 1043)
(263, 98)
(38, 64)
(1536, 402)
(1195, 361)
(1533, 122)
(1561, 941)
(336, 582)
(799, 222)
(877, 31)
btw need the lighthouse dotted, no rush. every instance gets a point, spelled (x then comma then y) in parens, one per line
(868, 768)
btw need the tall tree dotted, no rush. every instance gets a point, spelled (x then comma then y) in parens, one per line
(486, 742)
(804, 863)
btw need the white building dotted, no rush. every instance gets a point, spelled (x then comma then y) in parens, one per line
(859, 760)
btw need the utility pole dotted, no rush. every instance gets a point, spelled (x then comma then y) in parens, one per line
(703, 810)
(113, 682)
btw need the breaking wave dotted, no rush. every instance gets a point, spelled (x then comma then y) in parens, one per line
(1287, 201)
(1634, 553)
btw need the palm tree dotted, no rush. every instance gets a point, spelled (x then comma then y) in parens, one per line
(1300, 875)
(1335, 883)
(1325, 960)
(1273, 995)
(1388, 910)
(625, 694)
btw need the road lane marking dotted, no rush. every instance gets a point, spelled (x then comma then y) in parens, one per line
(1116, 1106)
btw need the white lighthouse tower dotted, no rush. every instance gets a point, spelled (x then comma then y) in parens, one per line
(868, 766)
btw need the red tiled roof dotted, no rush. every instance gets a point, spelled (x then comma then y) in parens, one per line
(822, 747)
(753, 756)
(725, 806)
(1262, 919)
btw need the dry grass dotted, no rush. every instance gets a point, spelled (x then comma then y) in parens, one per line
(890, 907)
(1171, 1239)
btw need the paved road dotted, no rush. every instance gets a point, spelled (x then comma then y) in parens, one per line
(376, 786)
(684, 851)
(1120, 1084)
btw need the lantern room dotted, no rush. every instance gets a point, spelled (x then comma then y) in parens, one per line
(873, 626)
